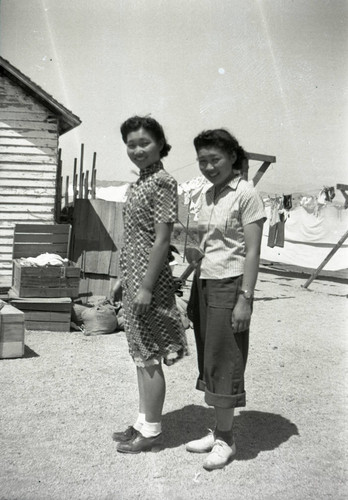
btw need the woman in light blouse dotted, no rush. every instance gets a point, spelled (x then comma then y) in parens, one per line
(230, 230)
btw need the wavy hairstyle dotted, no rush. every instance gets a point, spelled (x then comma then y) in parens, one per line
(221, 139)
(151, 126)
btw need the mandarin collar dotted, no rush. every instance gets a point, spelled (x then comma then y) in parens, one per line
(150, 169)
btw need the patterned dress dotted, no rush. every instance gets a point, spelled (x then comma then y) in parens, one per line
(159, 333)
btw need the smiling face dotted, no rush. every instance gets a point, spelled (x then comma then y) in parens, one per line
(142, 148)
(216, 165)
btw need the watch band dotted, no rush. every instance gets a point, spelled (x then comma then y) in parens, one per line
(246, 294)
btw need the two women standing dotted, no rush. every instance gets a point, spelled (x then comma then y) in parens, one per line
(230, 229)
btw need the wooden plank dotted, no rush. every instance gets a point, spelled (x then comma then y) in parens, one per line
(47, 316)
(260, 157)
(7, 174)
(28, 126)
(326, 260)
(47, 326)
(21, 191)
(46, 292)
(17, 208)
(20, 141)
(5, 249)
(23, 114)
(5, 240)
(52, 237)
(257, 177)
(27, 158)
(33, 250)
(30, 149)
(24, 167)
(39, 135)
(29, 200)
(42, 228)
(29, 183)
(26, 216)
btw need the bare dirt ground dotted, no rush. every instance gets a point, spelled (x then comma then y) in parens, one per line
(61, 402)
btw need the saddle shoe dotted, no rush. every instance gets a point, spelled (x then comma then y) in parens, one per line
(202, 445)
(140, 443)
(220, 455)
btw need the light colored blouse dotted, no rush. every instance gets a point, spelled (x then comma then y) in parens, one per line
(221, 227)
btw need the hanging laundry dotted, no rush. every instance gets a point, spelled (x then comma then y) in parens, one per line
(327, 194)
(287, 201)
(276, 233)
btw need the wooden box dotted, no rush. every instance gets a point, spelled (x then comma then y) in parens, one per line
(31, 240)
(46, 281)
(11, 332)
(53, 315)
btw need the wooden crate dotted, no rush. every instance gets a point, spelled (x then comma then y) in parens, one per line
(11, 332)
(47, 281)
(53, 315)
(31, 240)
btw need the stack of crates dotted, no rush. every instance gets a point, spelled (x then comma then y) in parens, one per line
(44, 293)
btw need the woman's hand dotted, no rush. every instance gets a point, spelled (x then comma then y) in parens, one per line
(142, 301)
(241, 315)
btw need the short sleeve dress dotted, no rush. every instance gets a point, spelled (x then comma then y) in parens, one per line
(159, 333)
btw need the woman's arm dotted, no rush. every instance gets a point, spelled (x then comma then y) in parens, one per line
(242, 312)
(157, 258)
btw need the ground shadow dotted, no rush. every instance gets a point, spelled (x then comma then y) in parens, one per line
(29, 353)
(260, 299)
(255, 431)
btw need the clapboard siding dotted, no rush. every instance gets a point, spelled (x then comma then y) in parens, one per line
(19, 174)
(28, 166)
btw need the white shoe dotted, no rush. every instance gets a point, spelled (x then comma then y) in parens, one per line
(202, 445)
(220, 455)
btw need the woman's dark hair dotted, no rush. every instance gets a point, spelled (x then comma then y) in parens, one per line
(221, 139)
(151, 126)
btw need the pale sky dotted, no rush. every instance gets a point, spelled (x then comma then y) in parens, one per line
(274, 72)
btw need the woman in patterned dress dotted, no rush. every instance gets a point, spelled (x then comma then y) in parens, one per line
(153, 325)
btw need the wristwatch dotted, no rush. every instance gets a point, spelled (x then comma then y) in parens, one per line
(246, 294)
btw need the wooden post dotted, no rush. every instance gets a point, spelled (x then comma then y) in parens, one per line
(58, 201)
(257, 177)
(81, 184)
(75, 181)
(94, 184)
(94, 177)
(81, 173)
(67, 191)
(326, 260)
(86, 185)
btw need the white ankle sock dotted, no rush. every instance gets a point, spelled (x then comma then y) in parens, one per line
(139, 422)
(151, 429)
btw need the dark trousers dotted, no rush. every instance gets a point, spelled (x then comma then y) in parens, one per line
(221, 353)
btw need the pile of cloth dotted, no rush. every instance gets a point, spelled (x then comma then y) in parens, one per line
(45, 259)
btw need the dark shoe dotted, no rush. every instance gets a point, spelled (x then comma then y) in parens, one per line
(127, 435)
(140, 443)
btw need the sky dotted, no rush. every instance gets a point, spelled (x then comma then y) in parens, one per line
(273, 72)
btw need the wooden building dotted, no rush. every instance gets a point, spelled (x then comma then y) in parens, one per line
(31, 122)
